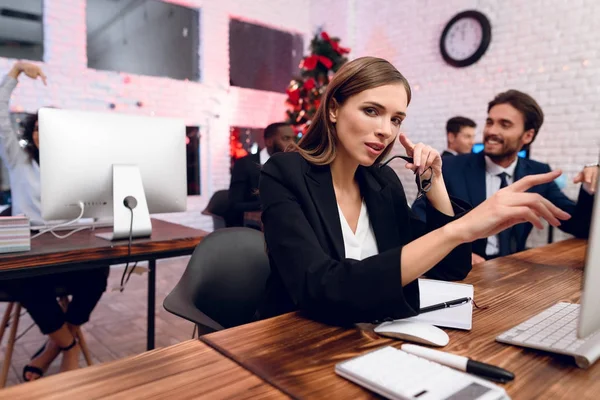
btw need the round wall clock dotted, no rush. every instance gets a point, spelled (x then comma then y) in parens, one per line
(465, 38)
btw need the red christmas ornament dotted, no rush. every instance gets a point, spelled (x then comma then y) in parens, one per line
(336, 46)
(309, 84)
(309, 63)
(293, 95)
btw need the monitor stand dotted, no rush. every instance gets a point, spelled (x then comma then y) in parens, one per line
(128, 191)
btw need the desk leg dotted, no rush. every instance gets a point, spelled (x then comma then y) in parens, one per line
(151, 302)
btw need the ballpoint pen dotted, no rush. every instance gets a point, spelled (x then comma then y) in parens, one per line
(447, 304)
(461, 363)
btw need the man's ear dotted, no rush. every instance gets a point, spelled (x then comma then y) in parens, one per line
(528, 137)
(333, 111)
(450, 137)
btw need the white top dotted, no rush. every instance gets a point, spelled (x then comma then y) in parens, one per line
(492, 185)
(362, 244)
(264, 156)
(23, 171)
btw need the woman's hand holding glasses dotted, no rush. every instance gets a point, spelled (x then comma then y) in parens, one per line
(426, 163)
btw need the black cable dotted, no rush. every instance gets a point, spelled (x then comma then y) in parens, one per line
(128, 252)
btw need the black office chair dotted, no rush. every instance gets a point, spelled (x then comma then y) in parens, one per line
(224, 280)
(217, 208)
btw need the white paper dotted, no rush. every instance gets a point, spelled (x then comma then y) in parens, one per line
(436, 292)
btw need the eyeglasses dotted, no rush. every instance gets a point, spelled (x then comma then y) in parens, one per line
(423, 180)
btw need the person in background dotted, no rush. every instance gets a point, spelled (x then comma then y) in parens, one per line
(513, 122)
(343, 245)
(246, 171)
(37, 295)
(460, 136)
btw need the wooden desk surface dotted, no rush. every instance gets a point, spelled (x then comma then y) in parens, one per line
(298, 355)
(188, 370)
(168, 240)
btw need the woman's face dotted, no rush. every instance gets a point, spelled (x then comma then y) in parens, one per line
(369, 121)
(36, 135)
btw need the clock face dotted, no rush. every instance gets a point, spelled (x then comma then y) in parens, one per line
(463, 39)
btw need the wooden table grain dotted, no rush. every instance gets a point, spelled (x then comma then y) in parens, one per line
(189, 370)
(84, 250)
(297, 355)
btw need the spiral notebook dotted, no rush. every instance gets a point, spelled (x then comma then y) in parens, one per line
(436, 292)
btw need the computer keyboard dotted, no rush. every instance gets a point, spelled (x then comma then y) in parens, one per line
(555, 330)
(396, 374)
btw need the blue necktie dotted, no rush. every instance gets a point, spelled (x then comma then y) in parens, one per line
(507, 240)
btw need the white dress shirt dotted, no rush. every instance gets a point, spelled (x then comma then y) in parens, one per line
(492, 185)
(264, 156)
(362, 244)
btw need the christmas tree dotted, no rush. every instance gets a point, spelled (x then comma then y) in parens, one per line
(304, 92)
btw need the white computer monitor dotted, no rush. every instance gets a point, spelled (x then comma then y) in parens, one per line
(99, 158)
(589, 317)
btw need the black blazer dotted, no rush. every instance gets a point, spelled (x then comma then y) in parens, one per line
(464, 176)
(304, 240)
(244, 184)
(446, 153)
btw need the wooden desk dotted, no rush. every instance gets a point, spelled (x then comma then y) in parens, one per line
(83, 250)
(298, 355)
(189, 370)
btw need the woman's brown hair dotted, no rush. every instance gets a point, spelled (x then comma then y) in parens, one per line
(318, 145)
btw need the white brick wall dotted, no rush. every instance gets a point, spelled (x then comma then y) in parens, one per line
(211, 104)
(548, 49)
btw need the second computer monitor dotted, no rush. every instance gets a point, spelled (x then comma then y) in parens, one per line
(79, 150)
(589, 317)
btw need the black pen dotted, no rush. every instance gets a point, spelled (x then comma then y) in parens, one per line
(447, 304)
(461, 363)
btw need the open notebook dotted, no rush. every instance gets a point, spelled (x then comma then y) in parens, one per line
(435, 292)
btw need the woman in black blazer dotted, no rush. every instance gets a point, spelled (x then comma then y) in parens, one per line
(337, 167)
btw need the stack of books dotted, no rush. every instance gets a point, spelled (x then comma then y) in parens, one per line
(14, 234)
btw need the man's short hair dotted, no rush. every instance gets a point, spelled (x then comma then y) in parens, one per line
(531, 110)
(455, 124)
(272, 129)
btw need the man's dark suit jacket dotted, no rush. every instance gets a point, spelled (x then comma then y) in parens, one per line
(303, 234)
(446, 153)
(464, 176)
(243, 188)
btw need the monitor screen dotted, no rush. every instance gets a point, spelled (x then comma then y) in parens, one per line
(478, 147)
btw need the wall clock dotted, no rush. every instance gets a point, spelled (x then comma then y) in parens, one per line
(465, 38)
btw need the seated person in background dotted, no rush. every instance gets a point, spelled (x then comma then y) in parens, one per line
(514, 119)
(343, 245)
(37, 295)
(243, 188)
(460, 136)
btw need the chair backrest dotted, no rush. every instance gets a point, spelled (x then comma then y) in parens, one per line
(218, 203)
(224, 280)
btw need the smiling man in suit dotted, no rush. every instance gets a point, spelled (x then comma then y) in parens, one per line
(243, 188)
(513, 122)
(460, 136)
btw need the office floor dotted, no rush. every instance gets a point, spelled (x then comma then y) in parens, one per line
(117, 327)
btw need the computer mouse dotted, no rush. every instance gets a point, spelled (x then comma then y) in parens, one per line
(414, 332)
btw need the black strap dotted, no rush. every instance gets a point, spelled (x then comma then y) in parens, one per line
(69, 347)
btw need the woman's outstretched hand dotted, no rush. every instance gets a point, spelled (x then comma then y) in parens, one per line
(510, 206)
